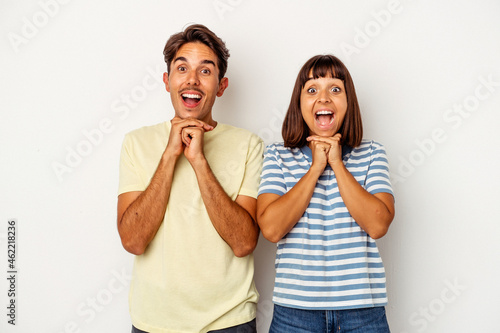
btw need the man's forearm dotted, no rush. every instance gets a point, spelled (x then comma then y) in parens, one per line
(233, 223)
(142, 218)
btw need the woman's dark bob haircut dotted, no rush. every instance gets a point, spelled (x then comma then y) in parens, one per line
(197, 33)
(295, 130)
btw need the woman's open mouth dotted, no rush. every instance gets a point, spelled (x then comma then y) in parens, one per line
(324, 118)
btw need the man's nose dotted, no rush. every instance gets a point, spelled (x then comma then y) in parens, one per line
(192, 78)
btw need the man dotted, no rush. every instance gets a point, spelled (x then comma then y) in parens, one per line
(187, 202)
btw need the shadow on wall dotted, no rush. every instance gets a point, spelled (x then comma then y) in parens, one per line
(264, 255)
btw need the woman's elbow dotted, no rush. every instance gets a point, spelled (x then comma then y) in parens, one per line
(381, 229)
(383, 219)
(378, 233)
(271, 235)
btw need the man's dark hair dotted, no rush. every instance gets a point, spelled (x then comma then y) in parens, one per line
(197, 33)
(295, 130)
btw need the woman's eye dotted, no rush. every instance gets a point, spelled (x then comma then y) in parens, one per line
(311, 90)
(336, 89)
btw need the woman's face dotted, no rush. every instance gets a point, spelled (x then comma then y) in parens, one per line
(323, 102)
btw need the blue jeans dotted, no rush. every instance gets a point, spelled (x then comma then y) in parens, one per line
(249, 327)
(366, 320)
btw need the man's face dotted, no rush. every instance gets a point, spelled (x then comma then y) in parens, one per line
(193, 82)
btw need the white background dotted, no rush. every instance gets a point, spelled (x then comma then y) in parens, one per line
(77, 75)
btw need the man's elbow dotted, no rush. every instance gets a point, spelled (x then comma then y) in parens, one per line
(241, 253)
(245, 249)
(133, 247)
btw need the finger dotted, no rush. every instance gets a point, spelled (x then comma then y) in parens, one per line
(320, 146)
(319, 143)
(334, 140)
(190, 133)
(179, 124)
(317, 137)
(326, 140)
(207, 127)
(176, 120)
(186, 137)
(193, 122)
(186, 140)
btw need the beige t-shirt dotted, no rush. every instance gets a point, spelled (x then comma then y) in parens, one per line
(188, 279)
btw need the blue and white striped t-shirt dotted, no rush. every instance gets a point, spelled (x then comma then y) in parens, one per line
(327, 261)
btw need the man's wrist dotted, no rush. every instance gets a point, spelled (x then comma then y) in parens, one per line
(170, 155)
(199, 163)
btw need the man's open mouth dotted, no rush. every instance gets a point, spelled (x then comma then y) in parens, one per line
(190, 99)
(324, 117)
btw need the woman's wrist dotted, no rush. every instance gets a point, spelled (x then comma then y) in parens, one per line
(315, 171)
(338, 167)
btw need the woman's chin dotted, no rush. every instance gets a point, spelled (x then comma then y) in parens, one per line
(323, 133)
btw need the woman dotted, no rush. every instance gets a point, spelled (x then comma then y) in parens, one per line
(324, 197)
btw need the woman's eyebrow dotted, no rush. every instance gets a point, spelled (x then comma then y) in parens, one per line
(312, 78)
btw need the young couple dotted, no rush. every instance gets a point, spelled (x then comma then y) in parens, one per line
(190, 206)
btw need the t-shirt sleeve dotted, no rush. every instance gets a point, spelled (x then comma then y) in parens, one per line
(253, 166)
(378, 177)
(129, 179)
(272, 178)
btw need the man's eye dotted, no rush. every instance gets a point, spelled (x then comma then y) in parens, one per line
(181, 68)
(205, 71)
(311, 90)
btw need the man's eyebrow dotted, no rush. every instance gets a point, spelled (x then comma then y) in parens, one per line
(180, 59)
(206, 61)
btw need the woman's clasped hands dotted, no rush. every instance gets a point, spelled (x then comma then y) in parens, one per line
(325, 150)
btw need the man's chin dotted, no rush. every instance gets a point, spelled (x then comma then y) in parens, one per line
(191, 114)
(187, 114)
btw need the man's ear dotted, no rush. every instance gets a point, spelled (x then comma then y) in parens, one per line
(165, 80)
(224, 82)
